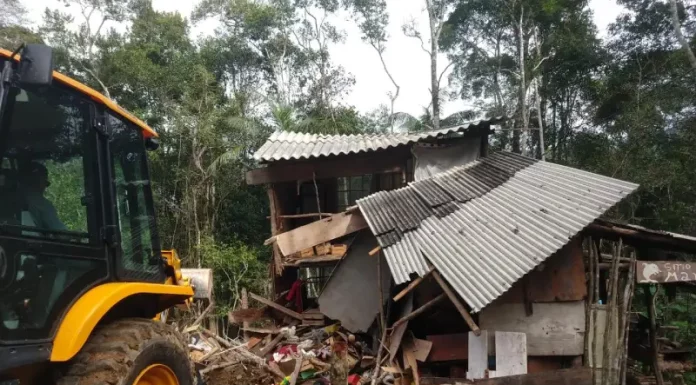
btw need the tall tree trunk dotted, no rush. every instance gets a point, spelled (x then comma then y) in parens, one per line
(537, 96)
(523, 84)
(680, 36)
(434, 80)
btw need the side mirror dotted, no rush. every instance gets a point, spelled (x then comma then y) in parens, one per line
(36, 65)
(151, 144)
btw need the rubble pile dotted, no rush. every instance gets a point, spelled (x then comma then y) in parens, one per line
(300, 354)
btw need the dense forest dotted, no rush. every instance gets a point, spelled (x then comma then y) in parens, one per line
(620, 104)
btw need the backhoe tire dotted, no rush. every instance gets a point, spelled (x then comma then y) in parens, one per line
(119, 352)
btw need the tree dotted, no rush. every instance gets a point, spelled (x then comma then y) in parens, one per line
(676, 24)
(373, 19)
(437, 11)
(13, 26)
(81, 48)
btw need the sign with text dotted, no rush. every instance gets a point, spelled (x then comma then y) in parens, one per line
(665, 272)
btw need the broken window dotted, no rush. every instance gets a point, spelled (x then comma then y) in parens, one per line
(350, 189)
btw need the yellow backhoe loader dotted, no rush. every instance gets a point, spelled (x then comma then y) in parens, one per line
(82, 274)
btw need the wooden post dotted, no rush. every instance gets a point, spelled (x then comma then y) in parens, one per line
(245, 305)
(460, 307)
(275, 228)
(650, 303)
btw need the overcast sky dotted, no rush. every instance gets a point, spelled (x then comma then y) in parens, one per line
(407, 62)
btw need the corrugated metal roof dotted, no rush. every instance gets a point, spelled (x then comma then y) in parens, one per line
(285, 145)
(486, 224)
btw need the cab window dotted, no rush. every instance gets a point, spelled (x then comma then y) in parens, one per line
(140, 257)
(43, 189)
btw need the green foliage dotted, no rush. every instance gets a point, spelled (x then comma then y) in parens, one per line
(235, 266)
(66, 191)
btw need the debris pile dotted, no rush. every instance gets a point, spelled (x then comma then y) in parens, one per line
(301, 354)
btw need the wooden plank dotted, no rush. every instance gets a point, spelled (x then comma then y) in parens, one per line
(457, 303)
(398, 332)
(382, 162)
(422, 349)
(510, 354)
(245, 306)
(274, 305)
(575, 376)
(319, 232)
(665, 272)
(275, 229)
(271, 345)
(413, 285)
(554, 329)
(420, 310)
(478, 356)
(374, 251)
(410, 359)
(449, 347)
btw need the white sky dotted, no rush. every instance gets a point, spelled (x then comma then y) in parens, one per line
(409, 65)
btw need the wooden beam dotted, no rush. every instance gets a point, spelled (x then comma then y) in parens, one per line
(274, 305)
(275, 228)
(457, 303)
(575, 376)
(245, 306)
(271, 345)
(419, 311)
(299, 216)
(412, 285)
(343, 166)
(319, 232)
(374, 251)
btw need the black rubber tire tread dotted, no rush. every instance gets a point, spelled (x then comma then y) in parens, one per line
(117, 352)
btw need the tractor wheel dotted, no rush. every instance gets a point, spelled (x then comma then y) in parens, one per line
(131, 351)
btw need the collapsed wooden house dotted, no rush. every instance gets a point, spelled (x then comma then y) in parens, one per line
(466, 264)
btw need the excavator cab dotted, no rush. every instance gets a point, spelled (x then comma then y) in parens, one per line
(82, 273)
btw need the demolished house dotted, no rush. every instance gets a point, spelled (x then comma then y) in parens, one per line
(459, 263)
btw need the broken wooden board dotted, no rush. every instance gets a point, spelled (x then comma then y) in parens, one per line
(596, 360)
(553, 329)
(478, 356)
(398, 333)
(274, 305)
(319, 232)
(665, 272)
(510, 354)
(419, 348)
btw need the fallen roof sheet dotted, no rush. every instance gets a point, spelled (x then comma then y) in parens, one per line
(488, 223)
(293, 145)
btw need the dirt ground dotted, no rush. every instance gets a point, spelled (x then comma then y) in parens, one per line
(239, 375)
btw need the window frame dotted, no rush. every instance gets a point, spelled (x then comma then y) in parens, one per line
(91, 198)
(365, 190)
(121, 272)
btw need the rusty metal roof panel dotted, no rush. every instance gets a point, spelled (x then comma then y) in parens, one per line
(504, 215)
(284, 145)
